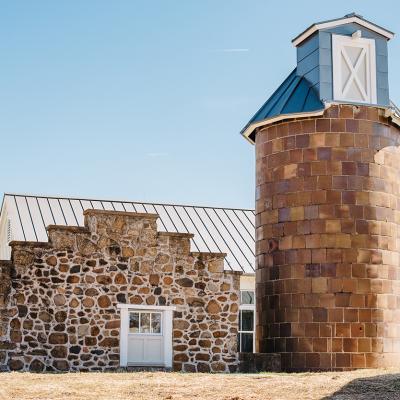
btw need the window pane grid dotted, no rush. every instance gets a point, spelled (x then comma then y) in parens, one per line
(246, 321)
(144, 322)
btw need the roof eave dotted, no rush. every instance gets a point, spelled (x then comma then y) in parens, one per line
(341, 21)
(246, 133)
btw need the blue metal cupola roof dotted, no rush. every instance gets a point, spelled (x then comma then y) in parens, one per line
(325, 75)
(295, 95)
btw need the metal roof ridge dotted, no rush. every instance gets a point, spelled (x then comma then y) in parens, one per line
(123, 201)
(348, 18)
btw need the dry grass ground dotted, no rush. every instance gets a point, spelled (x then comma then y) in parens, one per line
(362, 384)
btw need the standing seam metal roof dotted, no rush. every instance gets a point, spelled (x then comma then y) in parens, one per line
(294, 95)
(226, 230)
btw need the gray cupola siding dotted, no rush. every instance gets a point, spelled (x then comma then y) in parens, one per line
(314, 58)
(342, 60)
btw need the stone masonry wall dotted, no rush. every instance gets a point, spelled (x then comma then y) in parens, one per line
(327, 220)
(58, 300)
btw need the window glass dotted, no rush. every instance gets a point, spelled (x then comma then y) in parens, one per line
(133, 322)
(247, 297)
(156, 323)
(145, 323)
(246, 320)
(246, 342)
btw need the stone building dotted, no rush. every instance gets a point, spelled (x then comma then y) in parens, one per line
(127, 285)
(97, 285)
(327, 204)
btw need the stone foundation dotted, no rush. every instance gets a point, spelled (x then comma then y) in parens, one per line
(58, 300)
(259, 362)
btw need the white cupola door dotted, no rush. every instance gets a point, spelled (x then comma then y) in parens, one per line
(354, 69)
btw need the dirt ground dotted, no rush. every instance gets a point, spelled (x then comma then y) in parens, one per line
(361, 384)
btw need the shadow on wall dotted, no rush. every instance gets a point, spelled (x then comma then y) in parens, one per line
(381, 387)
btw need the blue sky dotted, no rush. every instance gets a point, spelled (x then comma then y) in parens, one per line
(144, 100)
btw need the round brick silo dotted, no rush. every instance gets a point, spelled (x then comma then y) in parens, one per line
(327, 224)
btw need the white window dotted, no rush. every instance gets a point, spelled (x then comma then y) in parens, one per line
(354, 69)
(246, 338)
(141, 322)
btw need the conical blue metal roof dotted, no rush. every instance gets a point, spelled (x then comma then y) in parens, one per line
(295, 95)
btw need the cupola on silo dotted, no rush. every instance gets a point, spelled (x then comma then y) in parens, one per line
(328, 204)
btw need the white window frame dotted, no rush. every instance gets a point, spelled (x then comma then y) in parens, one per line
(140, 312)
(368, 46)
(248, 307)
(167, 317)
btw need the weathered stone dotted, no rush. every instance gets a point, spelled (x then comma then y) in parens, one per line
(154, 279)
(202, 356)
(94, 330)
(113, 324)
(150, 300)
(15, 364)
(181, 324)
(73, 279)
(59, 352)
(74, 303)
(60, 316)
(104, 301)
(135, 300)
(213, 307)
(61, 365)
(91, 292)
(15, 324)
(109, 342)
(137, 280)
(90, 341)
(58, 338)
(28, 324)
(218, 366)
(168, 280)
(120, 279)
(75, 349)
(22, 311)
(76, 269)
(104, 280)
(189, 368)
(33, 299)
(59, 300)
(16, 336)
(185, 282)
(52, 261)
(182, 357)
(203, 367)
(219, 334)
(36, 366)
(225, 287)
(195, 301)
(88, 302)
(128, 252)
(121, 298)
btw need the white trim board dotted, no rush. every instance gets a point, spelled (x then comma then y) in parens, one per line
(145, 307)
(249, 130)
(347, 20)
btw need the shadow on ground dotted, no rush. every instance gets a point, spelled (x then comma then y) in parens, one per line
(381, 387)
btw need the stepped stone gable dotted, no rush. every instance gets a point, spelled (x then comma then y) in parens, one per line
(327, 220)
(58, 300)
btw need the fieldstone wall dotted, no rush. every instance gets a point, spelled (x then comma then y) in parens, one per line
(327, 220)
(58, 299)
